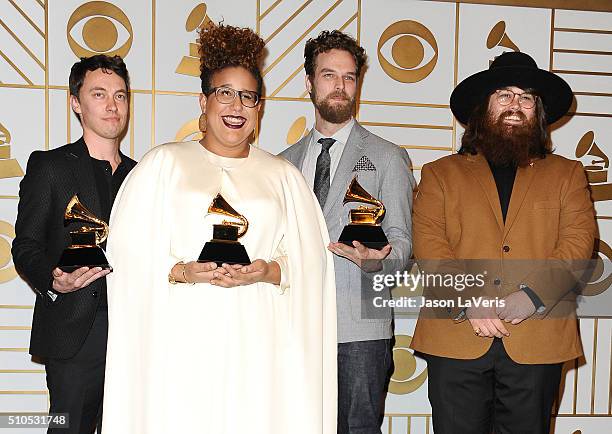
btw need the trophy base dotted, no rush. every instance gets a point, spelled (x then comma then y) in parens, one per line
(75, 258)
(370, 236)
(224, 252)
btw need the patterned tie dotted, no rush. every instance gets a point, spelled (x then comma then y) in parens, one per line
(321, 181)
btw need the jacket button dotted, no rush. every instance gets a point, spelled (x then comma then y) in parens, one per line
(95, 293)
(506, 248)
(496, 282)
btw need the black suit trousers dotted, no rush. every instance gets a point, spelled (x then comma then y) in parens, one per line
(76, 385)
(491, 394)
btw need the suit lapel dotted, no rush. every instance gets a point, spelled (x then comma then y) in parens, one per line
(353, 150)
(79, 162)
(524, 178)
(482, 172)
(301, 150)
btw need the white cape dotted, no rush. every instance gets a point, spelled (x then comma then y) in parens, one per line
(257, 359)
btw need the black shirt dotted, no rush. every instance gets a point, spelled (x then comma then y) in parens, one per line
(107, 184)
(504, 180)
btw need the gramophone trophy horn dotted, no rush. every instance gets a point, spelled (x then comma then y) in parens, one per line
(84, 249)
(499, 38)
(224, 247)
(364, 221)
(220, 206)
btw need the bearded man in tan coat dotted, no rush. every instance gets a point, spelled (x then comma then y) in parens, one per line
(506, 207)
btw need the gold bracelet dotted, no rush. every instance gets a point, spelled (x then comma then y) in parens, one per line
(184, 275)
(172, 280)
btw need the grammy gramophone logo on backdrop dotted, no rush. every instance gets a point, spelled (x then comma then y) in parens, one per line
(498, 37)
(407, 51)
(9, 167)
(99, 32)
(596, 163)
(197, 19)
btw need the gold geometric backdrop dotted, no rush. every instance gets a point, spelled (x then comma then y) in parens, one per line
(418, 51)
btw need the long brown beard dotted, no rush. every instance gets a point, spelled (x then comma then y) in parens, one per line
(334, 113)
(506, 145)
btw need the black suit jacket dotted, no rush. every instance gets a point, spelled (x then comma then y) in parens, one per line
(59, 327)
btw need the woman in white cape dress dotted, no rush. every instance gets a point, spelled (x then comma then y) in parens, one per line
(233, 350)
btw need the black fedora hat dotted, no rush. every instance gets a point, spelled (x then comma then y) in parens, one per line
(512, 69)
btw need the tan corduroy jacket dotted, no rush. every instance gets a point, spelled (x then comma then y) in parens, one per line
(457, 215)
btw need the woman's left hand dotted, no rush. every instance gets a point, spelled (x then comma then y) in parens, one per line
(237, 275)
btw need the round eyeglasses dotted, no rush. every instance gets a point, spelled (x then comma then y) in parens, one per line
(225, 95)
(506, 96)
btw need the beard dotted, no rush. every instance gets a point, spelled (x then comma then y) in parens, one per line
(334, 111)
(509, 145)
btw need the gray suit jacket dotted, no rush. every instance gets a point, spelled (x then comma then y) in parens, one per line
(383, 169)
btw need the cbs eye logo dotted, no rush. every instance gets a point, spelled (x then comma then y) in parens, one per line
(100, 32)
(407, 51)
(405, 364)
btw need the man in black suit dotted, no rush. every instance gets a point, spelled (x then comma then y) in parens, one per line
(70, 320)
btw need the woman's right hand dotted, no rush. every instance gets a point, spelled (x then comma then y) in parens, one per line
(194, 272)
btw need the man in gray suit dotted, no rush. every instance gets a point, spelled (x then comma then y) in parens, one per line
(336, 150)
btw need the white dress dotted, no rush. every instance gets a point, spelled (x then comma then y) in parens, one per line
(257, 359)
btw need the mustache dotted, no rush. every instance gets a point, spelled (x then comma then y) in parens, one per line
(507, 113)
(336, 94)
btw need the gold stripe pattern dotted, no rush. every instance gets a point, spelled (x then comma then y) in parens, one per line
(10, 62)
(270, 9)
(301, 67)
(20, 42)
(287, 21)
(597, 53)
(28, 19)
(302, 36)
(391, 124)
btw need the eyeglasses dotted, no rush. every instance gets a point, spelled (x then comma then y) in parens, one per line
(506, 96)
(225, 95)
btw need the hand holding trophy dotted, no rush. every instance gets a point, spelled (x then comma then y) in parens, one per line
(225, 248)
(364, 221)
(84, 250)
